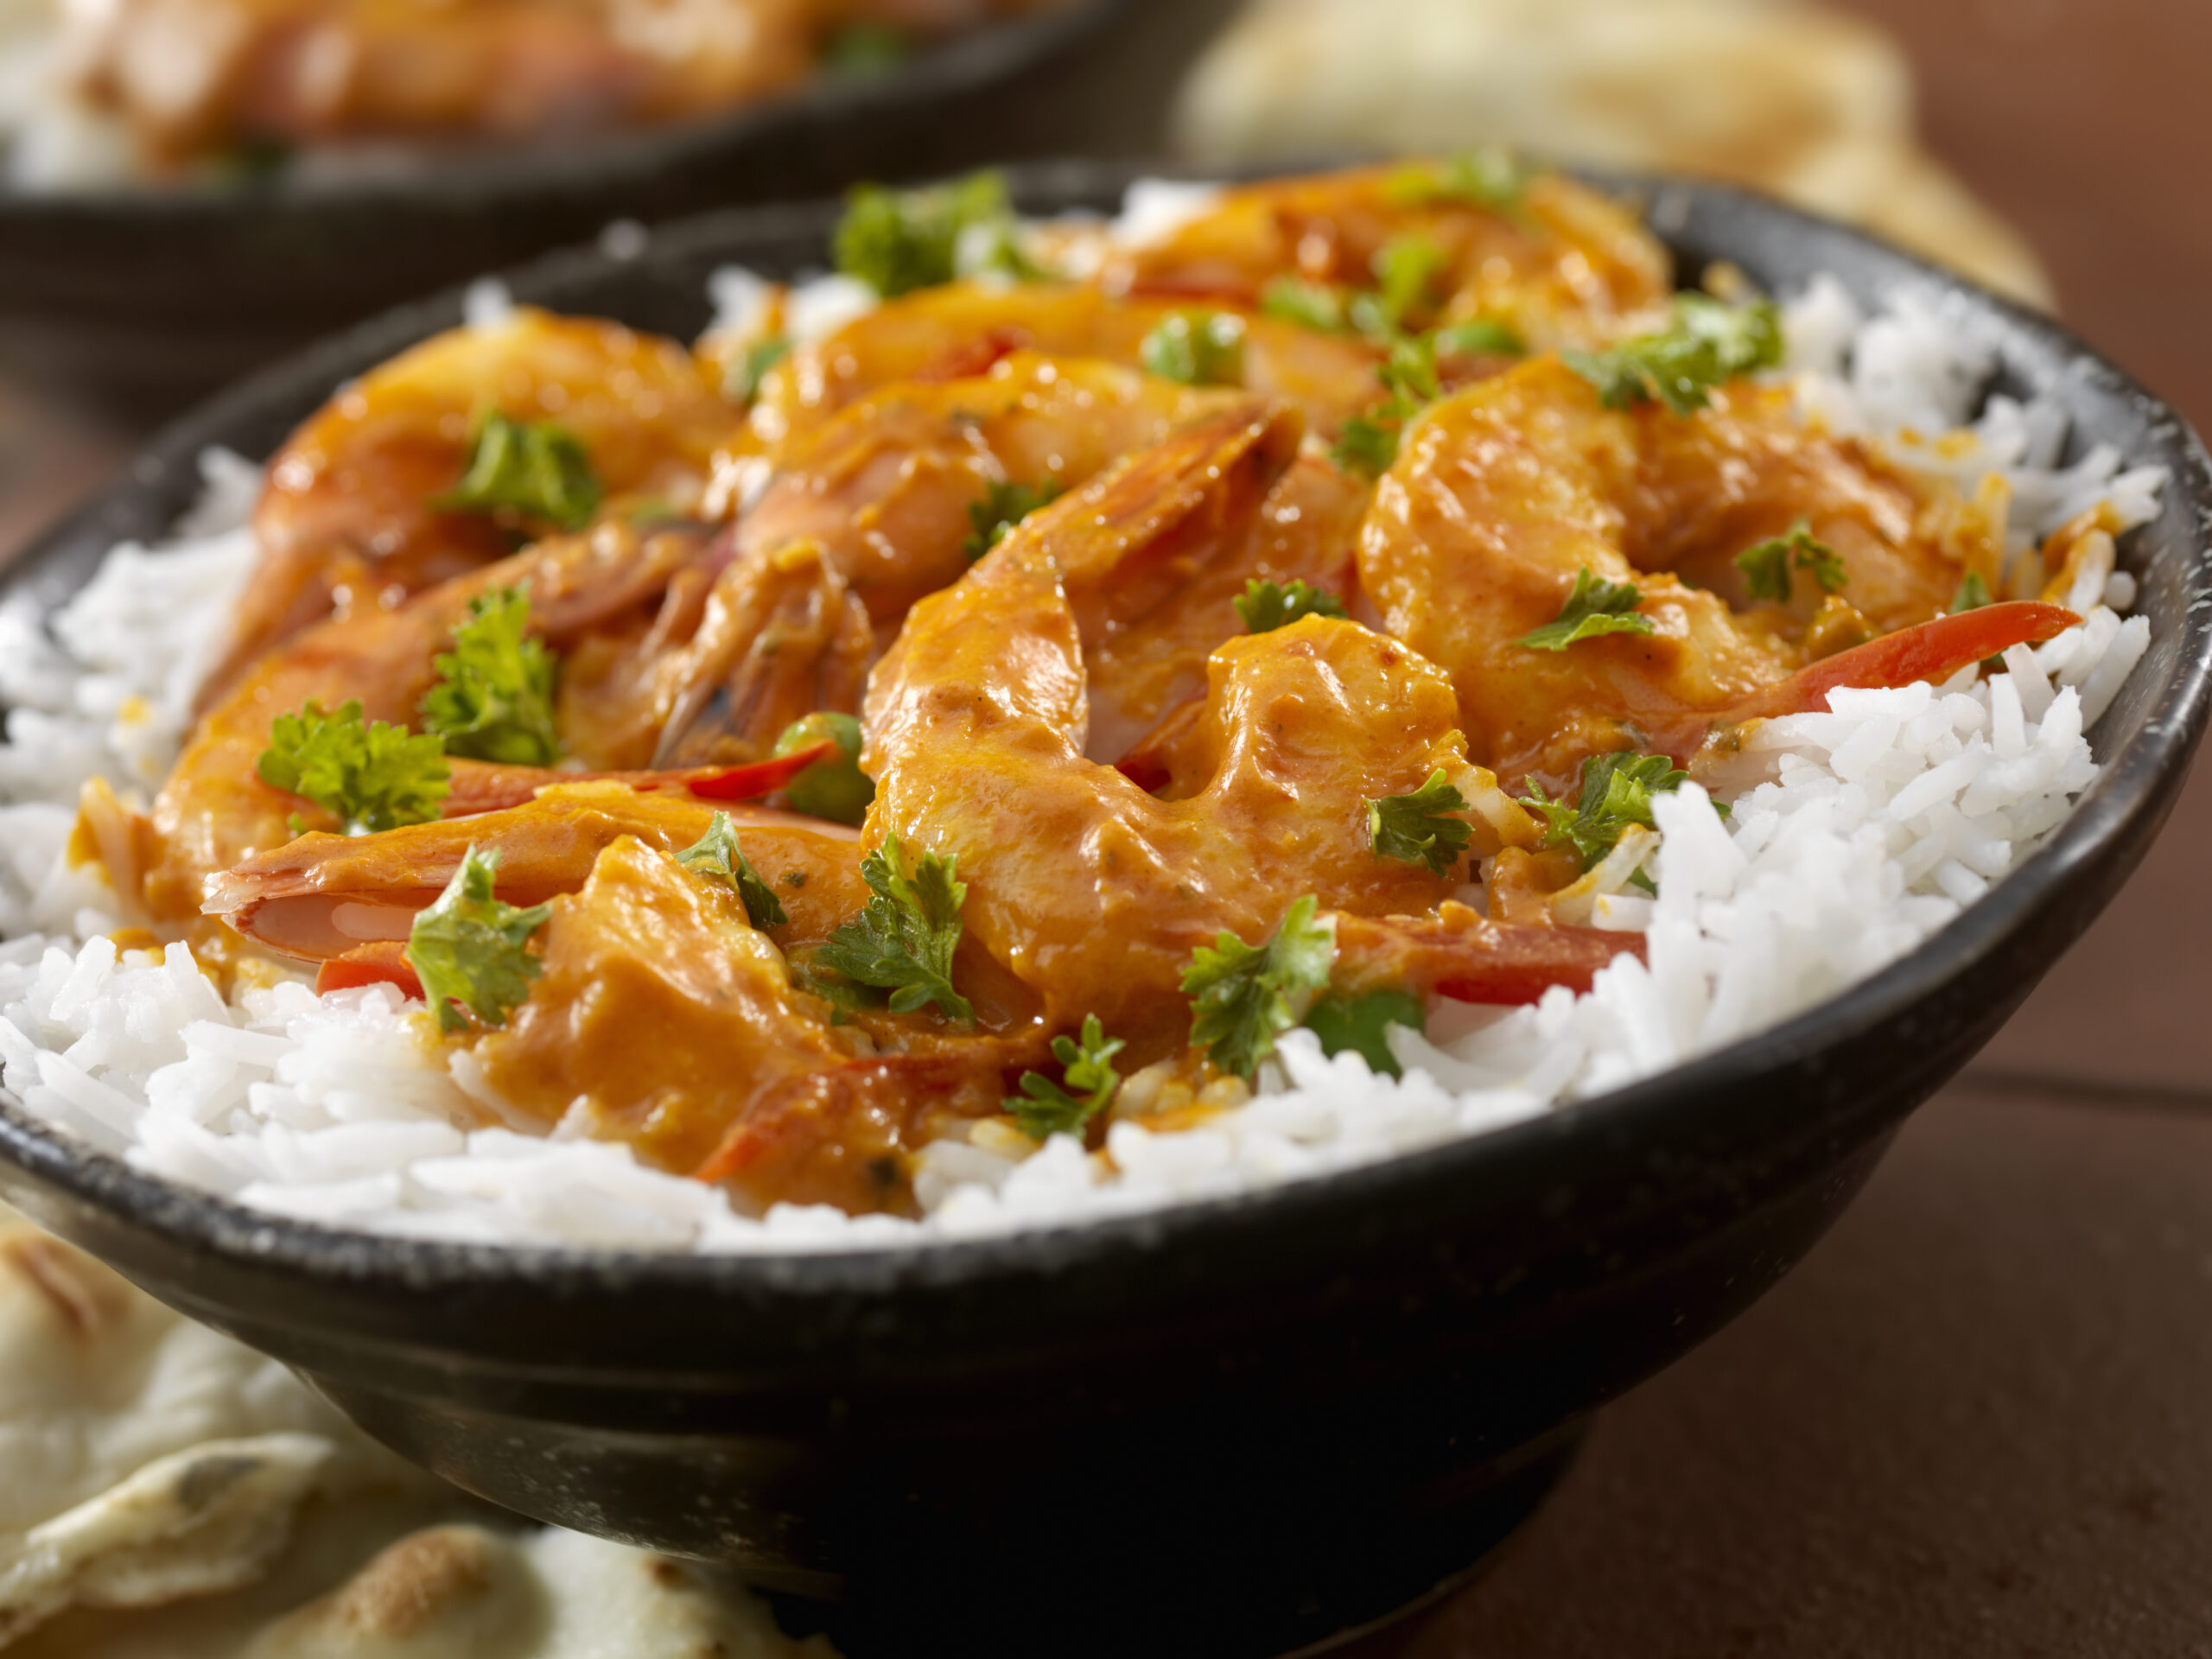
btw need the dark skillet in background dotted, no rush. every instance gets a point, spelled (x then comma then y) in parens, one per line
(1233, 1429)
(138, 302)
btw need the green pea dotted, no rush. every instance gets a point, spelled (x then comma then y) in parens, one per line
(835, 788)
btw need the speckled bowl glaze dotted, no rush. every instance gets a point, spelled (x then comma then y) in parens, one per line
(137, 304)
(1237, 1428)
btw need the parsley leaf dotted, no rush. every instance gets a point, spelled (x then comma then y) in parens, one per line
(897, 241)
(1002, 507)
(1419, 828)
(903, 940)
(472, 949)
(1243, 996)
(1369, 443)
(1708, 344)
(1406, 268)
(717, 854)
(1266, 606)
(741, 380)
(1358, 1023)
(1198, 348)
(1595, 608)
(538, 468)
(1311, 305)
(1766, 567)
(1492, 177)
(1972, 594)
(1617, 792)
(1484, 337)
(1046, 1108)
(493, 700)
(1366, 444)
(371, 775)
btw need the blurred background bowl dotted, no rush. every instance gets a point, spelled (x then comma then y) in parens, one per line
(132, 304)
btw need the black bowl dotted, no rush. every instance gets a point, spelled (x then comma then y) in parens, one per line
(1236, 1428)
(137, 304)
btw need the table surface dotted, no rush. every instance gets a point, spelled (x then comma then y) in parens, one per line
(1975, 1421)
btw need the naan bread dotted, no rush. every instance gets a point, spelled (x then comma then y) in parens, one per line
(172, 1495)
(1806, 103)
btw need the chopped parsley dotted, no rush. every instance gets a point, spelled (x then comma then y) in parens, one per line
(1767, 565)
(370, 775)
(1972, 594)
(493, 700)
(1243, 996)
(741, 380)
(1045, 1109)
(1265, 605)
(1708, 344)
(537, 468)
(1003, 506)
(1406, 268)
(833, 788)
(1198, 348)
(1419, 828)
(716, 854)
(471, 949)
(1484, 337)
(1492, 177)
(1595, 608)
(1367, 444)
(1360, 1024)
(1310, 305)
(1617, 792)
(902, 941)
(897, 241)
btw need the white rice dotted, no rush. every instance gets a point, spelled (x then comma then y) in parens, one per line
(1854, 835)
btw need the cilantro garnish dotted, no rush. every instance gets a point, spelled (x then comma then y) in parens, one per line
(1243, 996)
(717, 854)
(1003, 506)
(1046, 1108)
(1617, 792)
(1419, 828)
(1358, 1023)
(897, 241)
(1406, 268)
(1366, 444)
(741, 380)
(1972, 594)
(902, 941)
(472, 949)
(1484, 337)
(1492, 177)
(1198, 348)
(1707, 344)
(1766, 567)
(1596, 607)
(1369, 443)
(538, 468)
(370, 775)
(1265, 605)
(1311, 305)
(493, 700)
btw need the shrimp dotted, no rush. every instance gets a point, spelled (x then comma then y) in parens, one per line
(211, 74)
(351, 517)
(322, 895)
(1558, 262)
(1504, 493)
(214, 809)
(960, 329)
(976, 724)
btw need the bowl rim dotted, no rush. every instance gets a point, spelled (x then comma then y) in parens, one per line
(2137, 780)
(466, 178)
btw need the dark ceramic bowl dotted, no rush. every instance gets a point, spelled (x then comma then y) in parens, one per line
(138, 304)
(1237, 1429)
